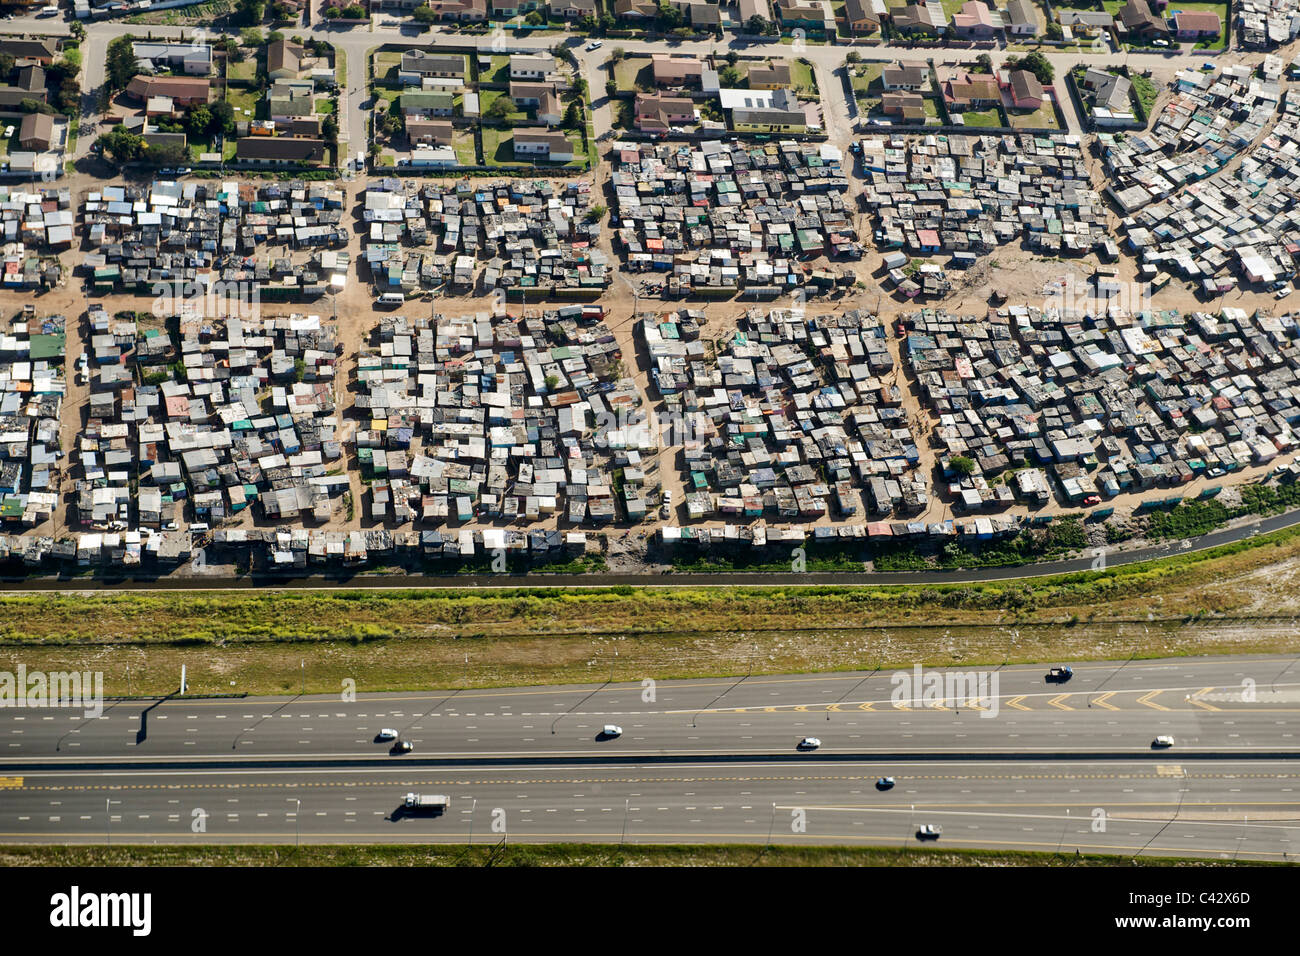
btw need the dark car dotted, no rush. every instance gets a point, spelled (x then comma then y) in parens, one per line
(402, 747)
(1059, 675)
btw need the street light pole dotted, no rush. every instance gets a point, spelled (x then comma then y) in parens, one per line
(472, 804)
(297, 823)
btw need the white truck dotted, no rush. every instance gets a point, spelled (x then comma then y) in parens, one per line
(432, 802)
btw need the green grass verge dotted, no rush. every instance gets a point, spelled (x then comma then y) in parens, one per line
(569, 854)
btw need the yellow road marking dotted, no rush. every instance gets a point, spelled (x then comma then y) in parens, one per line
(1149, 700)
(1101, 701)
(1192, 699)
(11, 783)
(1056, 702)
(1015, 702)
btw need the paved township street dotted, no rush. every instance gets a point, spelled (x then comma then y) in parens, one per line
(697, 761)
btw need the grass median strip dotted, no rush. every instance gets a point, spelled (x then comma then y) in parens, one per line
(577, 854)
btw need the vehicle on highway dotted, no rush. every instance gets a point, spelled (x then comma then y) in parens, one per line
(667, 509)
(1059, 675)
(610, 731)
(885, 783)
(386, 734)
(929, 831)
(809, 743)
(402, 747)
(434, 802)
(1162, 742)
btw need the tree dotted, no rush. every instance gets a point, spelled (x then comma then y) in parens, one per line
(983, 64)
(534, 18)
(250, 37)
(332, 13)
(732, 58)
(586, 23)
(198, 120)
(72, 58)
(730, 77)
(617, 54)
(274, 36)
(1036, 64)
(167, 154)
(70, 96)
(424, 14)
(853, 56)
(6, 65)
(756, 24)
(596, 213)
(251, 11)
(501, 107)
(354, 11)
(669, 16)
(573, 116)
(330, 130)
(31, 105)
(607, 22)
(1054, 31)
(121, 62)
(961, 465)
(223, 118)
(611, 89)
(578, 91)
(124, 147)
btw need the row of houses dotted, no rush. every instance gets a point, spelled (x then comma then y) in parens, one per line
(32, 388)
(495, 417)
(797, 416)
(1186, 215)
(223, 415)
(517, 234)
(971, 194)
(1083, 405)
(281, 239)
(721, 216)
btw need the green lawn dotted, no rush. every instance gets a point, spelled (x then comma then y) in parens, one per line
(950, 7)
(866, 76)
(340, 68)
(325, 106)
(1042, 118)
(487, 97)
(499, 150)
(245, 71)
(11, 144)
(982, 118)
(631, 70)
(801, 76)
(386, 66)
(1220, 8)
(244, 100)
(498, 72)
(462, 141)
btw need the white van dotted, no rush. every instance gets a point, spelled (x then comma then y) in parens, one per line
(51, 11)
(390, 298)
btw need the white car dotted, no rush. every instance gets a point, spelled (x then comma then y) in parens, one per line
(1283, 292)
(387, 734)
(595, 44)
(666, 510)
(809, 743)
(611, 730)
(1164, 740)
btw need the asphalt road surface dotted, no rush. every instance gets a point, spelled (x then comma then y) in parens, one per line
(698, 761)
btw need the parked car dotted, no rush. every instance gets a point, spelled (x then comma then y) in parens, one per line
(666, 510)
(595, 44)
(1283, 292)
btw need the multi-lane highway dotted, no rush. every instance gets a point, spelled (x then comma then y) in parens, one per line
(1007, 761)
